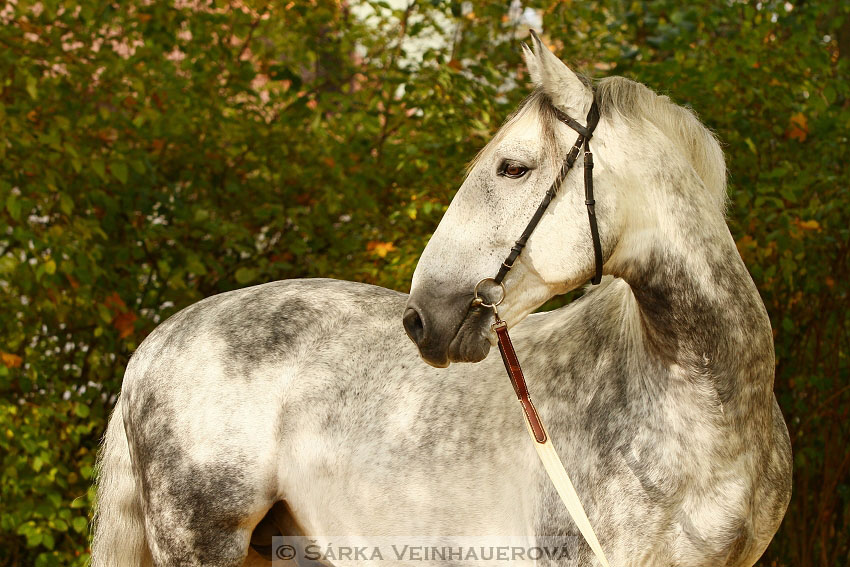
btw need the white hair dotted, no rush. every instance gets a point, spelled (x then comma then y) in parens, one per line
(634, 101)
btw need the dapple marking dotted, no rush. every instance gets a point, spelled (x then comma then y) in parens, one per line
(656, 386)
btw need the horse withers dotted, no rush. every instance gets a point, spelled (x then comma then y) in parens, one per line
(300, 407)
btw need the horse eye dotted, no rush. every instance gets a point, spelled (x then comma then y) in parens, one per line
(513, 170)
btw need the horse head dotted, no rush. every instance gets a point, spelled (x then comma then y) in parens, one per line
(504, 186)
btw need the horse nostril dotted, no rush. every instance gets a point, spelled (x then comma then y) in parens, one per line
(413, 325)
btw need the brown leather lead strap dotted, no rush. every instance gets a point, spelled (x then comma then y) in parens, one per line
(518, 380)
(543, 445)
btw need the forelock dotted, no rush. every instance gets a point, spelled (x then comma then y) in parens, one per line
(538, 103)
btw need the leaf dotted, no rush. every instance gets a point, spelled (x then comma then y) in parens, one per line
(59, 524)
(114, 302)
(8, 264)
(105, 313)
(195, 266)
(829, 94)
(245, 275)
(798, 127)
(13, 205)
(79, 524)
(119, 170)
(66, 203)
(124, 323)
(380, 249)
(34, 538)
(50, 267)
(99, 168)
(11, 360)
(32, 87)
(48, 541)
(808, 225)
(137, 166)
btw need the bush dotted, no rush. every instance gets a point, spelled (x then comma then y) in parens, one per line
(154, 154)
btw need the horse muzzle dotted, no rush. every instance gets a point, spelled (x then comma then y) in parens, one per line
(448, 330)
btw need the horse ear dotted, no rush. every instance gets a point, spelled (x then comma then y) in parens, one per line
(531, 63)
(563, 86)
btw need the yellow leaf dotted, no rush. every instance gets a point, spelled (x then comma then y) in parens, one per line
(380, 249)
(809, 225)
(798, 127)
(11, 360)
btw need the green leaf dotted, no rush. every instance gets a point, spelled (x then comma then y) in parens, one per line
(245, 275)
(80, 524)
(34, 538)
(99, 167)
(829, 94)
(32, 87)
(66, 203)
(119, 170)
(194, 265)
(13, 206)
(104, 312)
(137, 166)
(7, 264)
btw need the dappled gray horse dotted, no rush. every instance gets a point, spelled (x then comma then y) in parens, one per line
(301, 407)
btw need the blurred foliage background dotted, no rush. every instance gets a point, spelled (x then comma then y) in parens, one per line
(154, 153)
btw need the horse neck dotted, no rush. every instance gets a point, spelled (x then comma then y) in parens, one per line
(696, 306)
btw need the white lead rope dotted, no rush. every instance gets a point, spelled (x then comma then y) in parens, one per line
(559, 477)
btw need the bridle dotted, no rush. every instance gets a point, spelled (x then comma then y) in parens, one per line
(543, 444)
(585, 133)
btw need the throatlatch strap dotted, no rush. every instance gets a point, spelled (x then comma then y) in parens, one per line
(591, 213)
(543, 444)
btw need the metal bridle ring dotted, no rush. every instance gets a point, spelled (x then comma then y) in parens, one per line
(480, 301)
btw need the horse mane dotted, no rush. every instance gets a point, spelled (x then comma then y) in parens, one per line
(634, 101)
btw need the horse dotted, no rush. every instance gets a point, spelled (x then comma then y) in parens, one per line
(301, 408)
